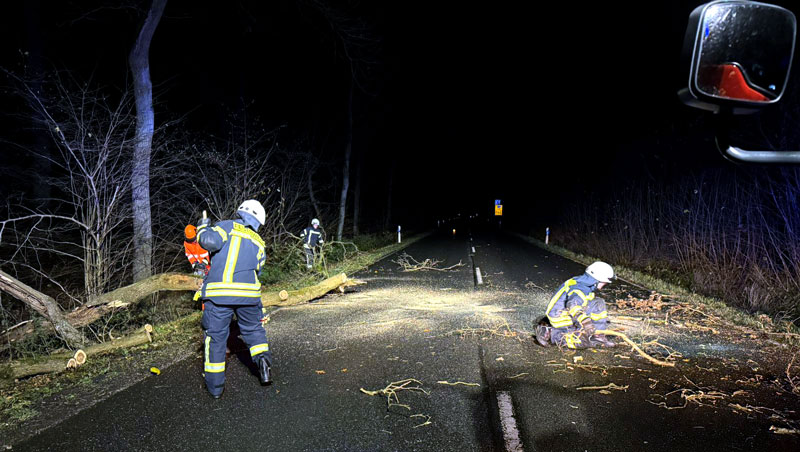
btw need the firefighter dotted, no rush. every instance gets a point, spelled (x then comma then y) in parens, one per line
(312, 239)
(232, 286)
(575, 313)
(198, 257)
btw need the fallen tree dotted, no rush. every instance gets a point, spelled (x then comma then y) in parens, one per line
(45, 305)
(306, 294)
(126, 296)
(95, 310)
(58, 362)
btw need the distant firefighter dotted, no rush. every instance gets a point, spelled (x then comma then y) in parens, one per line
(312, 240)
(575, 313)
(198, 257)
(232, 287)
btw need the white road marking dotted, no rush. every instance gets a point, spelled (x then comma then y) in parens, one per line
(478, 275)
(508, 422)
(473, 250)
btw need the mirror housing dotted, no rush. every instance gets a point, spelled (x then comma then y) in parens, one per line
(738, 54)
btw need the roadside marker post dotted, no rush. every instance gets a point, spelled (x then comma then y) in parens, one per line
(398, 233)
(547, 236)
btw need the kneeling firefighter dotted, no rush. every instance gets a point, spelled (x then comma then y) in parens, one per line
(232, 286)
(575, 313)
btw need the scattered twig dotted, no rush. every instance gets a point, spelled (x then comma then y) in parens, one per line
(608, 386)
(409, 264)
(390, 391)
(427, 420)
(455, 383)
(636, 348)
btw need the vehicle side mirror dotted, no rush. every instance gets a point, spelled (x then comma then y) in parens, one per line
(739, 54)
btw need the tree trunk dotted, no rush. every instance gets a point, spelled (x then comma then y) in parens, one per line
(357, 193)
(388, 218)
(139, 61)
(306, 294)
(311, 192)
(45, 306)
(346, 167)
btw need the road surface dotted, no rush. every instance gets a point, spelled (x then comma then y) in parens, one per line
(504, 392)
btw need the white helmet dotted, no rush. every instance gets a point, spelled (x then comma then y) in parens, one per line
(314, 222)
(254, 208)
(601, 271)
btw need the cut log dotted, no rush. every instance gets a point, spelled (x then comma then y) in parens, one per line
(58, 362)
(45, 305)
(306, 294)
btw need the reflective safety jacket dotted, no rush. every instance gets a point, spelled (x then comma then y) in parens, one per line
(568, 305)
(195, 253)
(237, 255)
(311, 237)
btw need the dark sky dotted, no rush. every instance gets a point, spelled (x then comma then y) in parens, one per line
(528, 102)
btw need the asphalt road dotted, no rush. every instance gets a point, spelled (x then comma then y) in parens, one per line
(505, 392)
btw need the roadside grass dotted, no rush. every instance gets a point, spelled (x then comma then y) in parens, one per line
(176, 321)
(783, 330)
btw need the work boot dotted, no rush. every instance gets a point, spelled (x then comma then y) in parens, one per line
(217, 396)
(602, 340)
(543, 335)
(263, 370)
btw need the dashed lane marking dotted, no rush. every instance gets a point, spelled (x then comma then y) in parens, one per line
(508, 423)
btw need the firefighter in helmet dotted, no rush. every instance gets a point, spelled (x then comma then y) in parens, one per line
(232, 287)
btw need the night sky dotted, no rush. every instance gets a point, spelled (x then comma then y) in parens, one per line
(533, 103)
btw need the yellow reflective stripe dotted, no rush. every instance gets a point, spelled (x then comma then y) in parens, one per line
(208, 341)
(599, 316)
(564, 288)
(260, 348)
(572, 340)
(233, 256)
(245, 232)
(574, 310)
(580, 294)
(234, 293)
(233, 285)
(560, 322)
(582, 317)
(215, 367)
(221, 232)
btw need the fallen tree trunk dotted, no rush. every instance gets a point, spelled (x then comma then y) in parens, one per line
(106, 303)
(148, 286)
(58, 362)
(306, 294)
(45, 305)
(131, 294)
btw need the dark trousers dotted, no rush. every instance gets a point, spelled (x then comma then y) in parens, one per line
(309, 257)
(571, 336)
(216, 326)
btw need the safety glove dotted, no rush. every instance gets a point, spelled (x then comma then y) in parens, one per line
(588, 327)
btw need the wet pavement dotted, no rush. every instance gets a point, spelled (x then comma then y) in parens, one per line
(437, 327)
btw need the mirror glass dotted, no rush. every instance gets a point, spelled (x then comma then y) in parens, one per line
(745, 52)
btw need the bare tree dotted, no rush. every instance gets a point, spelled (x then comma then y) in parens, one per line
(79, 244)
(346, 166)
(139, 61)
